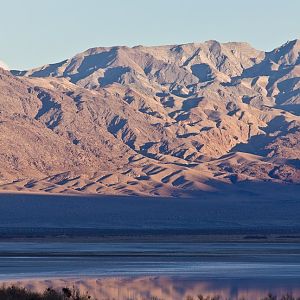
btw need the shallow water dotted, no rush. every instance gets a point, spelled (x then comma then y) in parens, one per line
(233, 264)
(205, 260)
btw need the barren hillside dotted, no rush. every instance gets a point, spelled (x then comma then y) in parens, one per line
(168, 120)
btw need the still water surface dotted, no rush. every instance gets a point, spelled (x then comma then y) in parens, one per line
(208, 267)
(205, 260)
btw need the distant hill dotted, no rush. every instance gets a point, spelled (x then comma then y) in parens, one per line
(159, 121)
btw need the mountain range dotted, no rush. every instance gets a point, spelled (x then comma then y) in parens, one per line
(175, 120)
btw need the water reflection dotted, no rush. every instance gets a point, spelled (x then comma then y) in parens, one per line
(155, 271)
(169, 288)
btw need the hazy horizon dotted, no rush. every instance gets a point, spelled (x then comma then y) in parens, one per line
(40, 33)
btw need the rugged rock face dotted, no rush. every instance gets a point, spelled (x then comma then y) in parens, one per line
(168, 120)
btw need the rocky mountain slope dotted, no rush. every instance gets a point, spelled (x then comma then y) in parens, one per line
(168, 120)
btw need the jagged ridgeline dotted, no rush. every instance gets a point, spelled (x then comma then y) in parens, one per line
(167, 120)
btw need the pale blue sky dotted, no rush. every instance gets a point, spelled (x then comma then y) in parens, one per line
(36, 32)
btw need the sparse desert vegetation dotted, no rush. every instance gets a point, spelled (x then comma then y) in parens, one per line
(20, 293)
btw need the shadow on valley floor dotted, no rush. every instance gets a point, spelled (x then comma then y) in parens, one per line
(236, 209)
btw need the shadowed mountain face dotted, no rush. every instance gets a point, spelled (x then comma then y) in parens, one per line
(167, 120)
